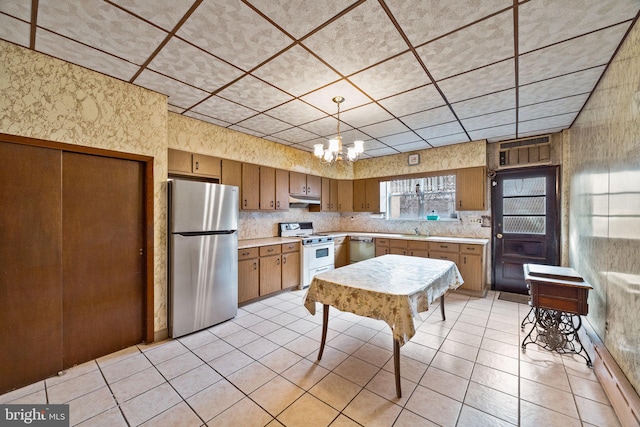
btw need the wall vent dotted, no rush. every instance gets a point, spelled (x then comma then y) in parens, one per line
(525, 152)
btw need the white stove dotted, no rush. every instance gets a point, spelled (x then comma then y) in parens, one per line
(317, 253)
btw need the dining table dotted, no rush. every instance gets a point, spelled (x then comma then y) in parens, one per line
(392, 288)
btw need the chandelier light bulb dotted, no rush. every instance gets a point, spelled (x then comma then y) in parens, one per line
(335, 152)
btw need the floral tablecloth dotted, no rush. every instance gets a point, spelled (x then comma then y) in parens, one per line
(393, 288)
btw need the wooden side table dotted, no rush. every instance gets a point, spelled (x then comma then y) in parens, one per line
(558, 299)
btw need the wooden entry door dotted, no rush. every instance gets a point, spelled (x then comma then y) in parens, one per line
(103, 258)
(526, 225)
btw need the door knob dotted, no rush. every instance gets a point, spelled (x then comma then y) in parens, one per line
(499, 236)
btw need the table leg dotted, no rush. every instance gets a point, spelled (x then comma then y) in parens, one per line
(442, 307)
(396, 366)
(325, 323)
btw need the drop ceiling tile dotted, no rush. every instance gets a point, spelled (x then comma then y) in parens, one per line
(502, 138)
(299, 18)
(222, 109)
(322, 98)
(432, 117)
(425, 20)
(493, 78)
(352, 135)
(498, 131)
(420, 99)
(449, 140)
(98, 24)
(234, 32)
(561, 121)
(296, 71)
(552, 108)
(401, 138)
(264, 124)
(378, 152)
(325, 127)
(412, 146)
(391, 77)
(365, 115)
(574, 55)
(309, 144)
(164, 13)
(363, 37)
(540, 132)
(17, 9)
(278, 140)
(247, 131)
(559, 87)
(390, 127)
(175, 109)
(445, 129)
(207, 119)
(15, 30)
(193, 66)
(486, 42)
(543, 22)
(371, 144)
(296, 112)
(490, 120)
(180, 94)
(71, 51)
(302, 147)
(498, 101)
(254, 93)
(295, 135)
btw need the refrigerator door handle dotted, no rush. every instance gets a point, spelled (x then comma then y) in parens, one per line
(205, 233)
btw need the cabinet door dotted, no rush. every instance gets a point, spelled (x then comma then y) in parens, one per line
(314, 185)
(325, 196)
(267, 188)
(290, 270)
(270, 274)
(205, 165)
(359, 195)
(282, 190)
(471, 186)
(444, 255)
(248, 280)
(345, 195)
(419, 252)
(334, 195)
(231, 174)
(470, 267)
(179, 161)
(297, 183)
(372, 195)
(250, 187)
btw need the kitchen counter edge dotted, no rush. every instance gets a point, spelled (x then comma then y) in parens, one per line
(444, 239)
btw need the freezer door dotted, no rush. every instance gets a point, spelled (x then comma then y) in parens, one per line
(202, 206)
(204, 281)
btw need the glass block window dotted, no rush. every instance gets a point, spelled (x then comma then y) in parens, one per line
(524, 206)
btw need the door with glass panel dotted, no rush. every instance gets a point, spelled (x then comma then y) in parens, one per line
(526, 225)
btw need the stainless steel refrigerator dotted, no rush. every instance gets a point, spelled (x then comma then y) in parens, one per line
(203, 255)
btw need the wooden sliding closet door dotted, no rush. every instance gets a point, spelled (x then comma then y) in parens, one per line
(103, 267)
(30, 264)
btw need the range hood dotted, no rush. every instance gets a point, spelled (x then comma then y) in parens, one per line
(303, 201)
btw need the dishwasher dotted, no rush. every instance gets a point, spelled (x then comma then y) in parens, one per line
(361, 248)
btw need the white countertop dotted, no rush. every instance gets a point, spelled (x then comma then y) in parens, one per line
(266, 241)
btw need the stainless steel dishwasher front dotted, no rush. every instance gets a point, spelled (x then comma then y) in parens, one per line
(361, 248)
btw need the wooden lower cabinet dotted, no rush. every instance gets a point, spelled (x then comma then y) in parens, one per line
(290, 270)
(248, 274)
(472, 268)
(341, 251)
(270, 274)
(382, 246)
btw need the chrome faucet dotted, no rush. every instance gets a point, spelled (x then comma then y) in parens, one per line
(417, 232)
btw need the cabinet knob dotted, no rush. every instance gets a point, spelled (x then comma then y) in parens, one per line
(197, 165)
(245, 202)
(272, 203)
(255, 266)
(278, 261)
(284, 260)
(278, 203)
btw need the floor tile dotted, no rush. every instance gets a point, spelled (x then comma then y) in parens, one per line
(265, 327)
(179, 365)
(305, 373)
(428, 340)
(465, 338)
(214, 399)
(361, 332)
(166, 351)
(130, 387)
(240, 338)
(251, 377)
(553, 375)
(472, 417)
(230, 362)
(410, 419)
(455, 348)
(245, 413)
(434, 406)
(588, 389)
(280, 360)
(276, 395)
(445, 383)
(356, 370)
(178, 415)
(71, 373)
(384, 385)
(346, 343)
(335, 391)
(493, 402)
(213, 350)
(147, 405)
(344, 421)
(548, 397)
(22, 392)
(498, 361)
(37, 398)
(373, 354)
(259, 348)
(532, 415)
(117, 356)
(452, 364)
(110, 418)
(596, 413)
(418, 352)
(75, 387)
(91, 404)
(493, 346)
(308, 411)
(369, 409)
(282, 336)
(410, 369)
(496, 379)
(225, 329)
(194, 381)
(303, 346)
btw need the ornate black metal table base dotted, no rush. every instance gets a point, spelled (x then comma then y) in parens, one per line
(555, 331)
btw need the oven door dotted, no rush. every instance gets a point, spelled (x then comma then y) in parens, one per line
(317, 256)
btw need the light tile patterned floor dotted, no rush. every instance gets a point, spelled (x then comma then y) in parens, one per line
(260, 369)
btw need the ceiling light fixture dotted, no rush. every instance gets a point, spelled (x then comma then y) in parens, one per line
(335, 152)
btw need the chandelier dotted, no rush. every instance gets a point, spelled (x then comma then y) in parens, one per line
(335, 152)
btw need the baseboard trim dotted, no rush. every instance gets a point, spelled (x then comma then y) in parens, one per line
(621, 394)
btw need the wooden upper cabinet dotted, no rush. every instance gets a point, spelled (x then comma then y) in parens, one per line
(471, 184)
(314, 185)
(185, 163)
(359, 195)
(372, 194)
(231, 173)
(334, 198)
(301, 184)
(344, 195)
(267, 188)
(282, 190)
(325, 195)
(250, 187)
